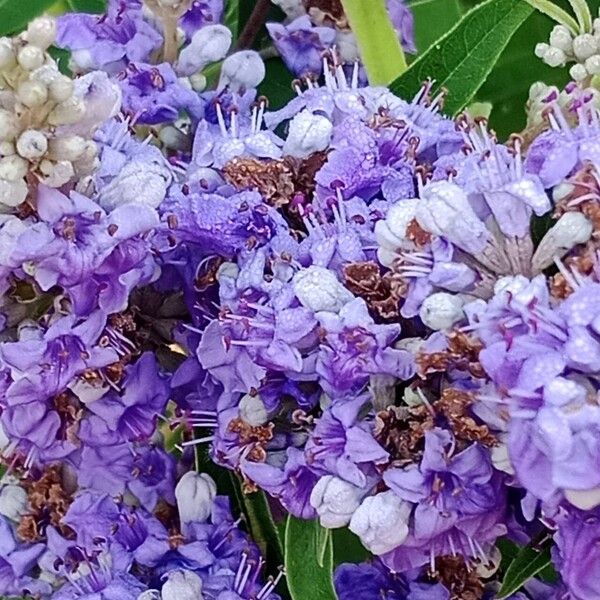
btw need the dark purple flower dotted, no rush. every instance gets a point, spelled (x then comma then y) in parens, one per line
(201, 13)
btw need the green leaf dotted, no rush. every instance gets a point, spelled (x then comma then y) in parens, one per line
(87, 6)
(277, 85)
(16, 14)
(432, 19)
(305, 577)
(526, 564)
(232, 17)
(462, 59)
(379, 46)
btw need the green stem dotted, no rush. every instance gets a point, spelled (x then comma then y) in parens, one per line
(556, 14)
(379, 46)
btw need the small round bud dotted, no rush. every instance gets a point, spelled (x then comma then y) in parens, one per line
(335, 501)
(9, 128)
(441, 311)
(561, 38)
(7, 149)
(592, 64)
(32, 144)
(578, 72)
(150, 595)
(61, 89)
(541, 49)
(30, 57)
(41, 32)
(307, 133)
(13, 168)
(67, 113)
(198, 81)
(555, 57)
(253, 410)
(57, 173)
(195, 494)
(13, 502)
(208, 45)
(8, 60)
(69, 148)
(182, 585)
(584, 46)
(32, 93)
(243, 70)
(318, 289)
(13, 193)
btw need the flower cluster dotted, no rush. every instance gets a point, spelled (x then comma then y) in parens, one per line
(381, 316)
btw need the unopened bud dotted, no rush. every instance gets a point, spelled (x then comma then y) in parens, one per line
(195, 494)
(150, 595)
(578, 72)
(41, 32)
(198, 82)
(541, 49)
(555, 57)
(69, 148)
(8, 60)
(30, 57)
(242, 71)
(253, 410)
(381, 522)
(32, 144)
(592, 64)
(13, 167)
(9, 128)
(441, 311)
(182, 585)
(57, 173)
(13, 502)
(318, 289)
(32, 93)
(67, 113)
(208, 45)
(61, 89)
(307, 134)
(13, 193)
(584, 46)
(561, 38)
(335, 501)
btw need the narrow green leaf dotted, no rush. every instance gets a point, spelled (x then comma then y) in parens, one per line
(232, 17)
(306, 579)
(87, 6)
(526, 564)
(16, 15)
(461, 60)
(432, 20)
(323, 542)
(379, 46)
(556, 13)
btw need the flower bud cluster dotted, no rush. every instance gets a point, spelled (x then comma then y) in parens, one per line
(41, 116)
(565, 47)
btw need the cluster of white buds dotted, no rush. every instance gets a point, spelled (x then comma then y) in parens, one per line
(41, 117)
(581, 48)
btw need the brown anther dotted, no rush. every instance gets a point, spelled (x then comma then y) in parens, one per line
(112, 229)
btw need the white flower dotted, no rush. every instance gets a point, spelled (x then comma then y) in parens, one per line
(195, 494)
(318, 289)
(308, 133)
(182, 585)
(335, 501)
(381, 522)
(441, 311)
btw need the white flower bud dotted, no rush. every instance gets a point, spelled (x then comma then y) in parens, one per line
(253, 410)
(592, 64)
(541, 49)
(150, 595)
(182, 585)
(292, 8)
(208, 45)
(335, 501)
(578, 72)
(441, 311)
(381, 522)
(584, 499)
(195, 494)
(57, 173)
(561, 38)
(13, 502)
(32, 144)
(61, 89)
(391, 232)
(554, 57)
(198, 81)
(7, 149)
(8, 60)
(32, 93)
(12, 193)
(584, 46)
(173, 138)
(571, 229)
(13, 167)
(68, 112)
(9, 127)
(69, 147)
(41, 32)
(317, 288)
(308, 133)
(501, 459)
(242, 71)
(30, 57)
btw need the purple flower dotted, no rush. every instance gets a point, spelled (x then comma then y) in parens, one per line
(200, 14)
(108, 42)
(302, 44)
(153, 94)
(402, 20)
